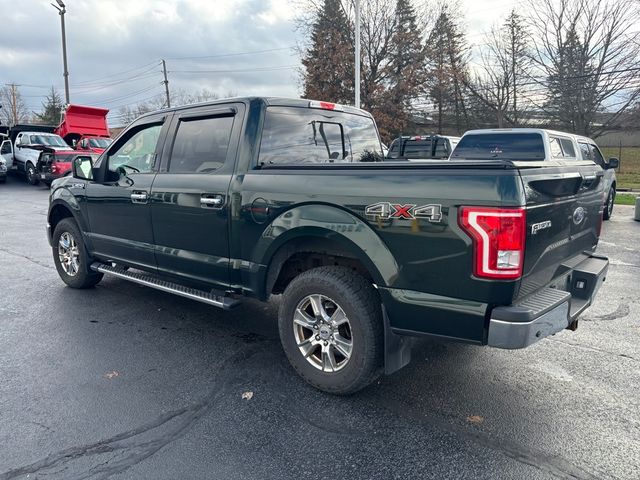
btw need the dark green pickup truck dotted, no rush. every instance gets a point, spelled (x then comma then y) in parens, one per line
(261, 196)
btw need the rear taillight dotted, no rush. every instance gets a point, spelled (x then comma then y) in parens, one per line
(54, 167)
(498, 236)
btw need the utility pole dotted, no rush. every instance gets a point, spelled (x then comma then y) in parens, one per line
(166, 83)
(357, 63)
(61, 11)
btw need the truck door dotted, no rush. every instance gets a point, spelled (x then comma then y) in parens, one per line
(189, 198)
(6, 152)
(118, 207)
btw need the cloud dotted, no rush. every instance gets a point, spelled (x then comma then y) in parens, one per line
(115, 46)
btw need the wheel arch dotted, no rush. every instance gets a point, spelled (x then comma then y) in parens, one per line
(64, 205)
(318, 235)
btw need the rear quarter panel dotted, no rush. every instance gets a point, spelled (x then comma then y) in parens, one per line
(409, 254)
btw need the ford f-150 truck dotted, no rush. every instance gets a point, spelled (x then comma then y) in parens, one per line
(262, 196)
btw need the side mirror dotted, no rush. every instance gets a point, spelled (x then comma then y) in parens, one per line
(82, 167)
(613, 163)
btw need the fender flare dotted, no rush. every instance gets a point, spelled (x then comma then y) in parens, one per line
(322, 221)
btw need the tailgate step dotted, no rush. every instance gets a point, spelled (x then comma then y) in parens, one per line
(221, 301)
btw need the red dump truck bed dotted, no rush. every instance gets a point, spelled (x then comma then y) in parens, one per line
(83, 121)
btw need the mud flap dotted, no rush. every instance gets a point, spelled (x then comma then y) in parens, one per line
(397, 348)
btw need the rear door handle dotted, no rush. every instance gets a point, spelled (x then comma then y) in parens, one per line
(139, 197)
(209, 200)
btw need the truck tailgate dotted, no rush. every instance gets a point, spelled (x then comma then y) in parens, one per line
(564, 216)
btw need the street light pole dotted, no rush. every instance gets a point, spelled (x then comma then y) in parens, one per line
(357, 60)
(62, 9)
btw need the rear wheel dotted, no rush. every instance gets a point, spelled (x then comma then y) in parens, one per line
(331, 329)
(32, 175)
(608, 207)
(70, 256)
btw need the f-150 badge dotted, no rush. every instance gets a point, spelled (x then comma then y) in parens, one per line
(409, 211)
(536, 227)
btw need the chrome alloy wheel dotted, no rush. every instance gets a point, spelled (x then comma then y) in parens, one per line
(68, 254)
(323, 333)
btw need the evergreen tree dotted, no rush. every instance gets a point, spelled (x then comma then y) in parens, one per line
(51, 109)
(572, 86)
(406, 68)
(329, 62)
(446, 59)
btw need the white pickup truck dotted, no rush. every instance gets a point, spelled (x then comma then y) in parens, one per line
(23, 154)
(543, 145)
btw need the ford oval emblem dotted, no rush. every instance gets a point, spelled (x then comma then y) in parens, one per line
(578, 215)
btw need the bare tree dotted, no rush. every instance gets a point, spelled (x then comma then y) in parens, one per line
(13, 109)
(587, 56)
(506, 68)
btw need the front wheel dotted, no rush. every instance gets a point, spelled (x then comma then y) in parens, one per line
(70, 256)
(331, 329)
(608, 207)
(32, 174)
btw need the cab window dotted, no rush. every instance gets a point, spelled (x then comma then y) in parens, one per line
(585, 151)
(137, 153)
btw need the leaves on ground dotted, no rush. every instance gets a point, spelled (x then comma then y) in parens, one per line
(475, 419)
(247, 395)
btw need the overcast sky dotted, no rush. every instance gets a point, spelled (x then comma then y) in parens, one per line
(115, 46)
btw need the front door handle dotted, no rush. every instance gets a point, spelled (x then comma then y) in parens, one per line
(208, 200)
(139, 197)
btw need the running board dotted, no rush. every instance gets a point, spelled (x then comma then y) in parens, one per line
(148, 280)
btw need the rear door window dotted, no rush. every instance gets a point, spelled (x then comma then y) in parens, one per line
(506, 146)
(201, 145)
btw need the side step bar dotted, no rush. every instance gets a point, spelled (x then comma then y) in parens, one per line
(148, 280)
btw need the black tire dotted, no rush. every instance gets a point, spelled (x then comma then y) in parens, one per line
(32, 174)
(608, 206)
(84, 277)
(3, 180)
(361, 304)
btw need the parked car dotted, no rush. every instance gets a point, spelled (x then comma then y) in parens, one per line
(419, 147)
(3, 170)
(6, 151)
(260, 196)
(535, 144)
(588, 150)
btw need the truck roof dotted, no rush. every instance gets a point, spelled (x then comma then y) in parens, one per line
(541, 131)
(268, 101)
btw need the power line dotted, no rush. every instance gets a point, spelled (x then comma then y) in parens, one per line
(247, 70)
(232, 54)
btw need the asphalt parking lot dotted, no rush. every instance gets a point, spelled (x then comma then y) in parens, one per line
(125, 382)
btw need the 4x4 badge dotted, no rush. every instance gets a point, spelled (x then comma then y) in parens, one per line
(409, 211)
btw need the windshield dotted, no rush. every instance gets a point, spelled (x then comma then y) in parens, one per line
(507, 146)
(99, 142)
(50, 140)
